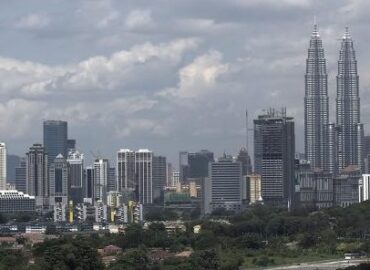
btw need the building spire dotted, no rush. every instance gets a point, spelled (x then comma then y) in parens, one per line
(347, 34)
(315, 31)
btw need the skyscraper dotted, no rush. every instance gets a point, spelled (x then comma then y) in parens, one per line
(21, 175)
(159, 175)
(75, 178)
(144, 169)
(223, 188)
(101, 167)
(245, 160)
(274, 148)
(37, 174)
(58, 178)
(350, 129)
(89, 183)
(2, 166)
(126, 178)
(112, 179)
(55, 138)
(316, 103)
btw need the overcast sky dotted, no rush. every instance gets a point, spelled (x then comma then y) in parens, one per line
(165, 75)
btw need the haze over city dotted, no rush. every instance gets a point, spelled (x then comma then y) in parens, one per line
(169, 75)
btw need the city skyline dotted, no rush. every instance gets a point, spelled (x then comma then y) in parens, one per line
(249, 53)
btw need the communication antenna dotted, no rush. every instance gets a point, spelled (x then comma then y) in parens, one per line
(247, 130)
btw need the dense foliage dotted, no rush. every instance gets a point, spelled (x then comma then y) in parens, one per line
(261, 236)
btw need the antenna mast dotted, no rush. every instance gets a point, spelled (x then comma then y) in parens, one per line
(246, 126)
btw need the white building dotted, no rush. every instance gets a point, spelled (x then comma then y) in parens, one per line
(101, 167)
(126, 179)
(223, 188)
(15, 201)
(363, 188)
(135, 173)
(2, 166)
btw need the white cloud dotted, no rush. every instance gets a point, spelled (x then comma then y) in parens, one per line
(99, 73)
(33, 21)
(199, 76)
(17, 116)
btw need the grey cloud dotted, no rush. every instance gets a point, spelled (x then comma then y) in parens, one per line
(102, 64)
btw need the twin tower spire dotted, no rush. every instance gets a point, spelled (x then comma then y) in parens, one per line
(332, 146)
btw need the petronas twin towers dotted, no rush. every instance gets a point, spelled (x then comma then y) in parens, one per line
(328, 146)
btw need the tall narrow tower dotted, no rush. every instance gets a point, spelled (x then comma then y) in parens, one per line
(316, 103)
(350, 130)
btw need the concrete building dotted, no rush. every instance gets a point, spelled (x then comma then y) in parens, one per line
(274, 149)
(224, 185)
(37, 174)
(315, 187)
(58, 178)
(13, 201)
(346, 186)
(3, 156)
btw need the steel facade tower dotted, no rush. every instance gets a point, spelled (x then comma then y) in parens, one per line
(316, 104)
(55, 138)
(350, 130)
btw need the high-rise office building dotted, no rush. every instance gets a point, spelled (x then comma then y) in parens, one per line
(159, 175)
(274, 149)
(112, 179)
(183, 166)
(101, 168)
(223, 187)
(21, 175)
(2, 166)
(194, 165)
(316, 103)
(199, 163)
(143, 168)
(350, 129)
(126, 177)
(135, 174)
(37, 174)
(71, 145)
(76, 176)
(55, 138)
(12, 161)
(89, 183)
(244, 158)
(331, 150)
(169, 179)
(58, 179)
